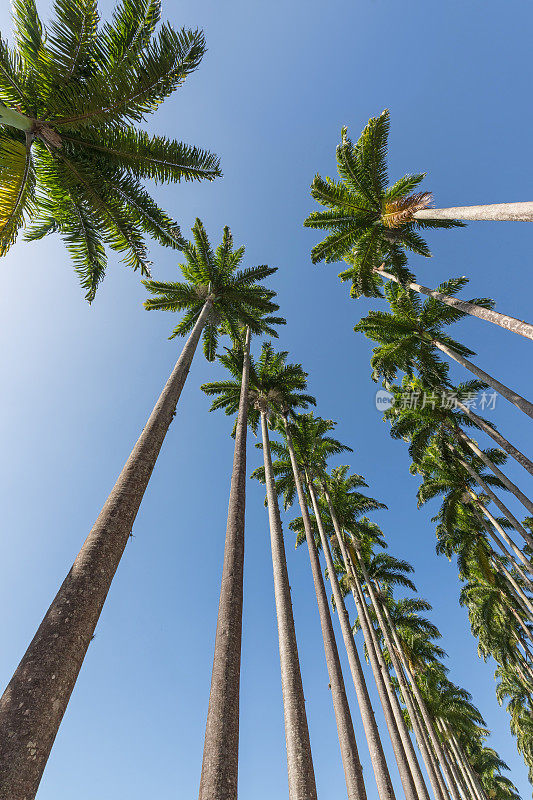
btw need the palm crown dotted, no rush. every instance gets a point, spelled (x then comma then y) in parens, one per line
(238, 299)
(371, 221)
(274, 385)
(71, 155)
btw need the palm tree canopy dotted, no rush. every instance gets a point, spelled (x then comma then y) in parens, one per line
(370, 222)
(274, 385)
(71, 155)
(238, 298)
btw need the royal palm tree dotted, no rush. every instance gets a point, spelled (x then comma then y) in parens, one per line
(411, 333)
(72, 157)
(272, 384)
(215, 293)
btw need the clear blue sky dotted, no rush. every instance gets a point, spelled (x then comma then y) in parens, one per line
(278, 82)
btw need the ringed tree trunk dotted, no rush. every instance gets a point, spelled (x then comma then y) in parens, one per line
(388, 699)
(299, 759)
(495, 212)
(411, 709)
(510, 395)
(33, 704)
(377, 756)
(487, 314)
(526, 502)
(353, 771)
(509, 448)
(220, 765)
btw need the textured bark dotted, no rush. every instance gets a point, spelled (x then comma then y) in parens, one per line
(519, 528)
(36, 698)
(299, 759)
(379, 670)
(526, 502)
(353, 771)
(220, 765)
(500, 440)
(408, 700)
(488, 314)
(495, 212)
(377, 756)
(510, 395)
(428, 721)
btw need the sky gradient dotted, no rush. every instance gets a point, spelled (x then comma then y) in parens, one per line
(278, 82)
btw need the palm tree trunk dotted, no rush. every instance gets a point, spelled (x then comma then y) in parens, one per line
(353, 772)
(428, 721)
(33, 704)
(495, 212)
(526, 502)
(495, 524)
(379, 670)
(220, 765)
(377, 756)
(470, 774)
(500, 440)
(460, 785)
(299, 759)
(519, 528)
(515, 590)
(487, 314)
(413, 715)
(517, 399)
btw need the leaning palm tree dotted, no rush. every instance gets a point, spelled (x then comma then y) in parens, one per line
(273, 384)
(410, 334)
(72, 158)
(215, 293)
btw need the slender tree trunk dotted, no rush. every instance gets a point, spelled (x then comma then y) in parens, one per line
(465, 769)
(413, 715)
(500, 440)
(495, 212)
(473, 780)
(526, 502)
(510, 395)
(36, 698)
(377, 756)
(353, 772)
(520, 597)
(428, 721)
(299, 759)
(487, 314)
(495, 524)
(519, 528)
(379, 671)
(220, 765)
(458, 780)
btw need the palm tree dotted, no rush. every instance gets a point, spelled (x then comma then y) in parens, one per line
(272, 384)
(215, 292)
(372, 219)
(72, 157)
(410, 334)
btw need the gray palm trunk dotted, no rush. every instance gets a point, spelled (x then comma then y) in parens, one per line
(33, 704)
(488, 314)
(494, 524)
(495, 212)
(377, 756)
(353, 771)
(510, 395)
(458, 782)
(526, 502)
(387, 697)
(500, 440)
(299, 759)
(466, 770)
(408, 699)
(220, 765)
(428, 721)
(515, 590)
(519, 528)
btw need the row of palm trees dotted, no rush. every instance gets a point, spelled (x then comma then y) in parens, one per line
(435, 417)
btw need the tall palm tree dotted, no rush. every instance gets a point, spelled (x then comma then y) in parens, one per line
(215, 293)
(272, 384)
(72, 157)
(410, 334)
